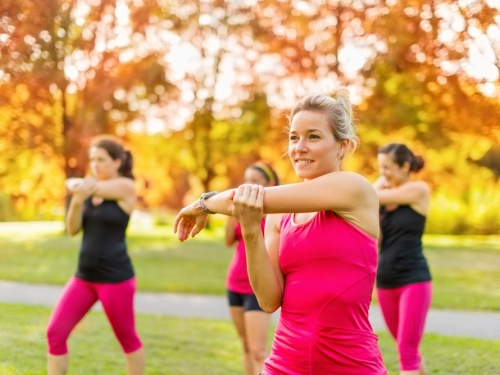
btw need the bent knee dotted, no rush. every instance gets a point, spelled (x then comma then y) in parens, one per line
(258, 354)
(129, 341)
(56, 340)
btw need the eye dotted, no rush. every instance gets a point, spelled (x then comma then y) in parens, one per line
(293, 137)
(314, 136)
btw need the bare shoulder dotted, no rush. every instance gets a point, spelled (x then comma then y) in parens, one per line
(420, 186)
(353, 178)
(359, 184)
(125, 183)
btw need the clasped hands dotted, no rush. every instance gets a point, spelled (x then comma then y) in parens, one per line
(82, 188)
(246, 204)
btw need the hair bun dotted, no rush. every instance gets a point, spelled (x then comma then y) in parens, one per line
(417, 163)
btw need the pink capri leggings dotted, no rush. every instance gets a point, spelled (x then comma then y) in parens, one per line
(405, 309)
(77, 299)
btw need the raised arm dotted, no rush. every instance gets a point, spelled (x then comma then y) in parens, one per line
(348, 194)
(412, 193)
(121, 188)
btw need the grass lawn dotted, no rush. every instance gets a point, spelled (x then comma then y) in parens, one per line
(193, 346)
(466, 269)
(161, 262)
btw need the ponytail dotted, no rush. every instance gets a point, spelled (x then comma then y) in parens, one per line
(127, 164)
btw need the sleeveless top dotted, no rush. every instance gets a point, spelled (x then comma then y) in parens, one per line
(103, 253)
(401, 259)
(329, 267)
(237, 274)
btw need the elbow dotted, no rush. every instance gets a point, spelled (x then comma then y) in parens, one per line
(270, 306)
(270, 309)
(72, 231)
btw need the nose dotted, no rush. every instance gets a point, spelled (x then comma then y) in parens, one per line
(301, 145)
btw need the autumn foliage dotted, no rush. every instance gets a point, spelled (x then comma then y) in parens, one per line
(199, 89)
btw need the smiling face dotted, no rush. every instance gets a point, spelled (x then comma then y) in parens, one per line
(102, 165)
(312, 148)
(393, 173)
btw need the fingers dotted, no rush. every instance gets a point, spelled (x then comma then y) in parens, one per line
(252, 196)
(184, 228)
(248, 195)
(177, 221)
(260, 197)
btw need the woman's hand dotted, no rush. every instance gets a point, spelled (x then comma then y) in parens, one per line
(73, 183)
(84, 189)
(247, 206)
(190, 220)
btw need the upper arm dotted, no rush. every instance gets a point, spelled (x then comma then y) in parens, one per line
(272, 242)
(116, 189)
(230, 233)
(342, 192)
(410, 193)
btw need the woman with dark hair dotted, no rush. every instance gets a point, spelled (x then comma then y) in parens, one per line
(318, 258)
(404, 287)
(100, 205)
(251, 322)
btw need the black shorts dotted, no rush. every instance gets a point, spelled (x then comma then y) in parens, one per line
(247, 301)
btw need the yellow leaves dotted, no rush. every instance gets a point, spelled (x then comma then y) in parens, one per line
(391, 85)
(433, 87)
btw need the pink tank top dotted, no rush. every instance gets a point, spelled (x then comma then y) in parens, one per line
(329, 267)
(237, 273)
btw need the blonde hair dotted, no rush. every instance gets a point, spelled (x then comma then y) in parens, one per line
(337, 109)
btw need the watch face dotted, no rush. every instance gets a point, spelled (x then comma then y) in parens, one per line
(208, 195)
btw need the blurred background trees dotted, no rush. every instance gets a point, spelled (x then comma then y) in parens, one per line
(199, 89)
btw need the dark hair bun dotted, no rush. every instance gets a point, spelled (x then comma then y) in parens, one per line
(417, 163)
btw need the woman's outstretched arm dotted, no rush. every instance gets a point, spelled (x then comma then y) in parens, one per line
(348, 194)
(412, 192)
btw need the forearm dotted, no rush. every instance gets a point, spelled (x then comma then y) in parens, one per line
(229, 237)
(115, 189)
(265, 283)
(74, 216)
(218, 203)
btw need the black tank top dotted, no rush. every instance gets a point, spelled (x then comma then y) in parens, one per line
(103, 254)
(401, 259)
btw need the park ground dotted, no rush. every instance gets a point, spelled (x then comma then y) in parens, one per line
(465, 269)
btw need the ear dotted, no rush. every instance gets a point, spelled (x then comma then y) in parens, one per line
(118, 163)
(406, 167)
(344, 146)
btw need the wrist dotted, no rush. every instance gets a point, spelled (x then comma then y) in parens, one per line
(201, 206)
(251, 230)
(77, 200)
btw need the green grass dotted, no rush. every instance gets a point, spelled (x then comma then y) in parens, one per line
(194, 346)
(465, 269)
(161, 262)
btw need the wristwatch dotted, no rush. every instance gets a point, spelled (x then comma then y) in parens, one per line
(202, 201)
